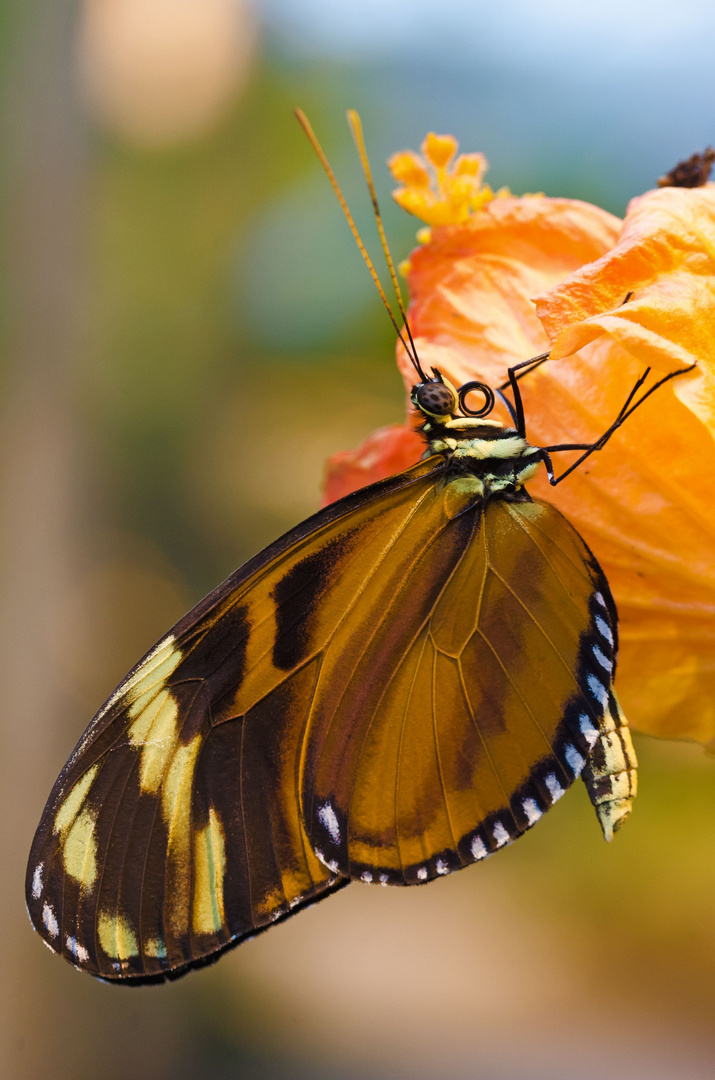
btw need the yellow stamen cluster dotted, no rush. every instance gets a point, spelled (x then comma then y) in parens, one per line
(438, 186)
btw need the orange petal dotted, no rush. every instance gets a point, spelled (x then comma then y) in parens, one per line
(658, 543)
(639, 503)
(388, 450)
(471, 285)
(666, 257)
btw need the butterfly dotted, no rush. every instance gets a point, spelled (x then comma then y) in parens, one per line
(395, 689)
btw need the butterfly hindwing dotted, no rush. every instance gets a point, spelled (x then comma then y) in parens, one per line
(474, 701)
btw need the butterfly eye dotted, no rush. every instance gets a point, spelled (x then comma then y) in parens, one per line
(481, 388)
(434, 397)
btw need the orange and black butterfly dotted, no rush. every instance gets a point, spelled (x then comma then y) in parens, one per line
(393, 690)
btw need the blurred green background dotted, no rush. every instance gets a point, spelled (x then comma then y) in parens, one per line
(170, 252)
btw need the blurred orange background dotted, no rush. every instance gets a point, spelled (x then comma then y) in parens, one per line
(171, 250)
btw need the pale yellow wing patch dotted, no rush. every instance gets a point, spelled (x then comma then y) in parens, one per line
(208, 914)
(153, 732)
(117, 937)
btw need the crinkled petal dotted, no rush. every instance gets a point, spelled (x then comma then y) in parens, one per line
(658, 543)
(643, 503)
(640, 502)
(665, 257)
(387, 451)
(471, 287)
(641, 506)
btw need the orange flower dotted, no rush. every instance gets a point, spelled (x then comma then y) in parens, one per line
(644, 503)
(388, 450)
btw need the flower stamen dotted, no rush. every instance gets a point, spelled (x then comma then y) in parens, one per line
(439, 186)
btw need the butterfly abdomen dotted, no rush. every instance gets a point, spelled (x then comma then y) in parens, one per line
(610, 774)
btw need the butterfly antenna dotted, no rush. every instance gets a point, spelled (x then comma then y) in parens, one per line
(408, 347)
(356, 128)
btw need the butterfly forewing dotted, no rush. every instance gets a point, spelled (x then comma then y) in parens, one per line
(176, 829)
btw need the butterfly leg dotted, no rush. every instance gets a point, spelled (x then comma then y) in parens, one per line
(517, 410)
(626, 410)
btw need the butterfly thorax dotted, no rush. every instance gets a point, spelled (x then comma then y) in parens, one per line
(483, 455)
(495, 459)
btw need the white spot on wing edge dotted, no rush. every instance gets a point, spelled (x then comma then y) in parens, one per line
(330, 863)
(422, 873)
(589, 732)
(555, 789)
(602, 659)
(328, 818)
(500, 834)
(575, 760)
(599, 599)
(50, 920)
(598, 690)
(37, 881)
(532, 811)
(479, 849)
(366, 876)
(383, 879)
(441, 867)
(78, 951)
(604, 629)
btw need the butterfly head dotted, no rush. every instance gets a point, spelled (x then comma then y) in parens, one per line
(436, 398)
(492, 460)
(439, 401)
